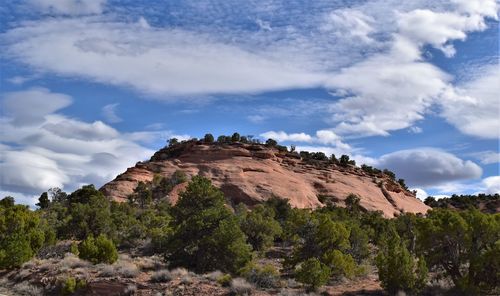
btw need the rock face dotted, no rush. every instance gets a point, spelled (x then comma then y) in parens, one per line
(252, 173)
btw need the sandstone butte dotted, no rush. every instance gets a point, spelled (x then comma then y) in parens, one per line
(252, 173)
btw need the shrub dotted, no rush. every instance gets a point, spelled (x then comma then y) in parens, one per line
(240, 286)
(313, 274)
(340, 264)
(207, 235)
(21, 234)
(69, 286)
(224, 280)
(100, 250)
(260, 227)
(266, 276)
(209, 138)
(465, 245)
(235, 137)
(161, 276)
(398, 270)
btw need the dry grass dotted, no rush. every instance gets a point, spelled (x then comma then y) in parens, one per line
(240, 286)
(214, 275)
(25, 288)
(179, 272)
(127, 269)
(70, 261)
(161, 276)
(149, 263)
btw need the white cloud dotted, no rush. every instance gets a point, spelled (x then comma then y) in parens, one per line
(31, 106)
(487, 157)
(109, 113)
(415, 130)
(385, 87)
(428, 167)
(421, 194)
(282, 136)
(474, 108)
(55, 150)
(69, 7)
(350, 22)
(424, 26)
(492, 185)
(152, 60)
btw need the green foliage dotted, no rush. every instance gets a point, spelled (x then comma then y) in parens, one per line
(398, 270)
(352, 203)
(224, 280)
(344, 160)
(206, 235)
(208, 138)
(235, 137)
(313, 273)
(260, 227)
(271, 143)
(340, 264)
(143, 196)
(90, 218)
(263, 276)
(358, 240)
(22, 234)
(84, 194)
(43, 201)
(465, 245)
(172, 142)
(389, 174)
(69, 286)
(100, 250)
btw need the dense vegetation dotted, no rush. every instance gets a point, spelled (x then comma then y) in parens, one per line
(203, 233)
(489, 203)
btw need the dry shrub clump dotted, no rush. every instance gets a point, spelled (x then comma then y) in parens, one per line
(161, 276)
(240, 286)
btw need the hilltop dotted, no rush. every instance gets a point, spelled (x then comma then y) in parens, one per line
(250, 172)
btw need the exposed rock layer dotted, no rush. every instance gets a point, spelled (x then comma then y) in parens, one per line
(252, 173)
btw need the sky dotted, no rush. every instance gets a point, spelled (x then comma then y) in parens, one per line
(89, 88)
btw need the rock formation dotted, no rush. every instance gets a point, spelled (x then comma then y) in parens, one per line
(252, 173)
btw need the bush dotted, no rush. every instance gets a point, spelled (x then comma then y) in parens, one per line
(466, 246)
(340, 264)
(207, 234)
(161, 276)
(260, 227)
(209, 138)
(313, 274)
(100, 250)
(266, 276)
(240, 286)
(69, 286)
(398, 270)
(22, 234)
(224, 280)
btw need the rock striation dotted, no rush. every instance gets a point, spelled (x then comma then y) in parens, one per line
(252, 173)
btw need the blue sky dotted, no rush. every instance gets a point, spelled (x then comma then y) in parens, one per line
(88, 88)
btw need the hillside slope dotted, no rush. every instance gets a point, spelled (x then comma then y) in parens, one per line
(251, 173)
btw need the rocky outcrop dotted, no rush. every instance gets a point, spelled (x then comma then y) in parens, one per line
(252, 173)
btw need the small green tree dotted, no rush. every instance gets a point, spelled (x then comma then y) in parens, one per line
(235, 137)
(271, 143)
(398, 270)
(260, 227)
(21, 234)
(206, 234)
(172, 142)
(344, 160)
(43, 201)
(313, 273)
(100, 250)
(339, 263)
(209, 138)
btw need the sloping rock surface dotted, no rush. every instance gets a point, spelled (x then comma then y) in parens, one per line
(252, 173)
